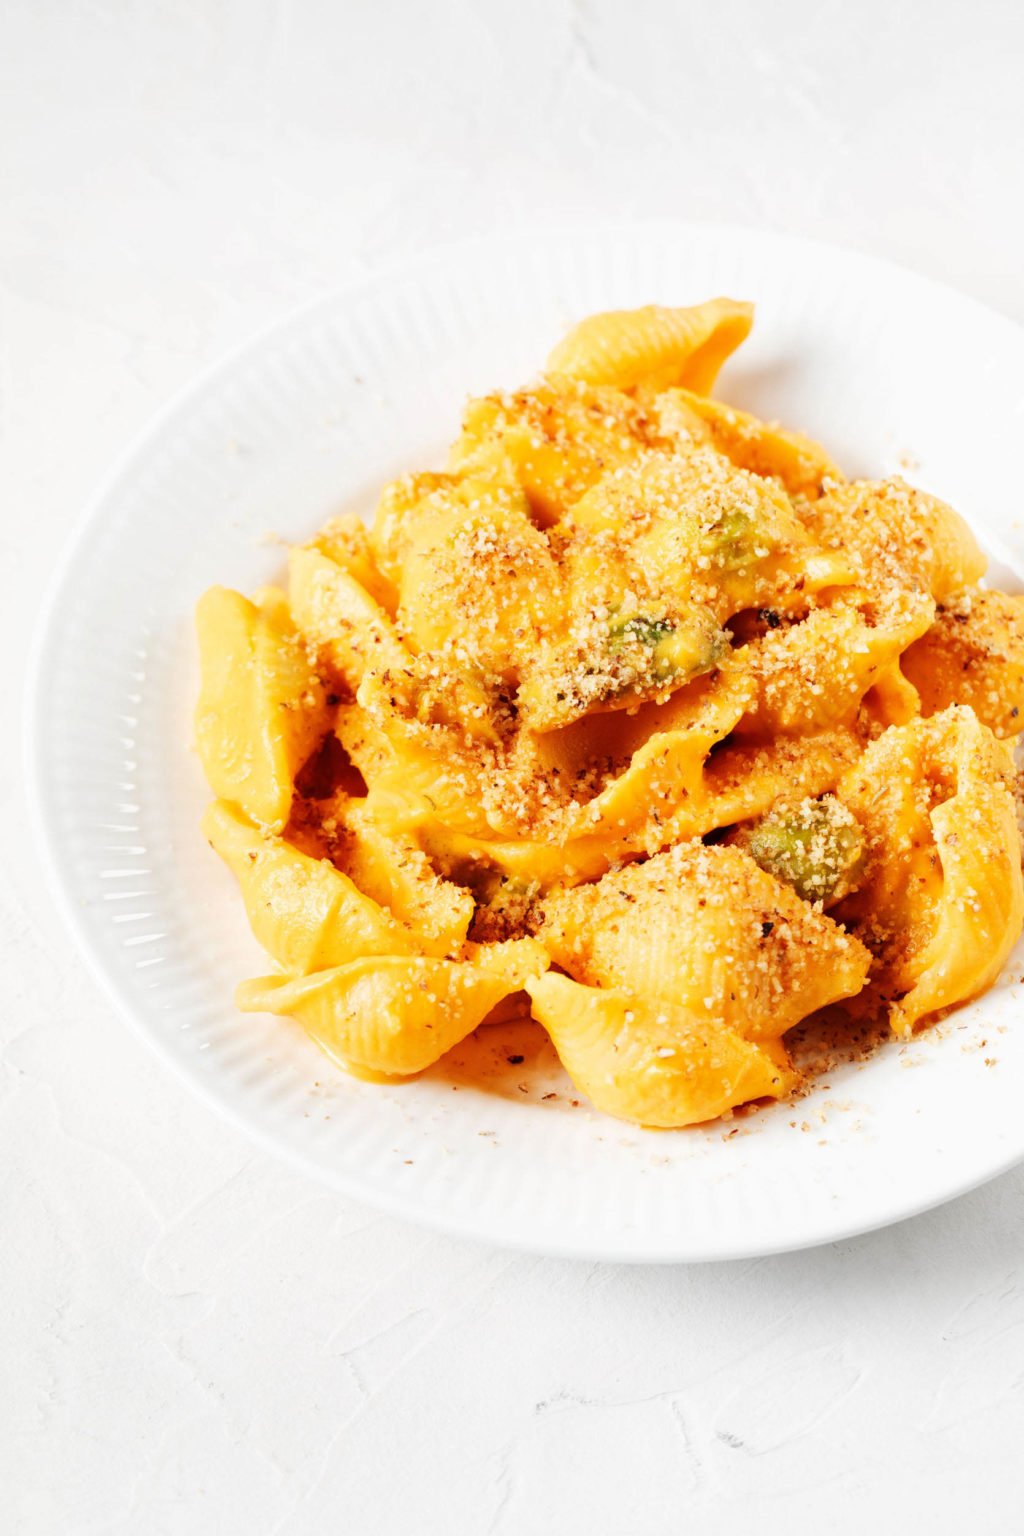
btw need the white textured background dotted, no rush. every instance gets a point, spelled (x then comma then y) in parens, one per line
(192, 1338)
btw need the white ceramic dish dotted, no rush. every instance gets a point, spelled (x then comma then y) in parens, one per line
(894, 373)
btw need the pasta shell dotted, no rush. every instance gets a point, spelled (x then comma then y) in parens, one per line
(261, 709)
(478, 580)
(896, 535)
(394, 871)
(812, 675)
(764, 448)
(653, 1063)
(944, 899)
(554, 442)
(304, 912)
(654, 345)
(695, 524)
(341, 620)
(973, 654)
(755, 958)
(395, 1015)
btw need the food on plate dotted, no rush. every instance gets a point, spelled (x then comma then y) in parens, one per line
(638, 718)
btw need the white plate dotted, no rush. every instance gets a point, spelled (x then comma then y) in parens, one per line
(891, 371)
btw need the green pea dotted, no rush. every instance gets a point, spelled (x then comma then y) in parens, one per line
(641, 627)
(817, 847)
(660, 649)
(731, 538)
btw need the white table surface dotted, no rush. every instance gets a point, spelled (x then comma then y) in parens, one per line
(194, 1338)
